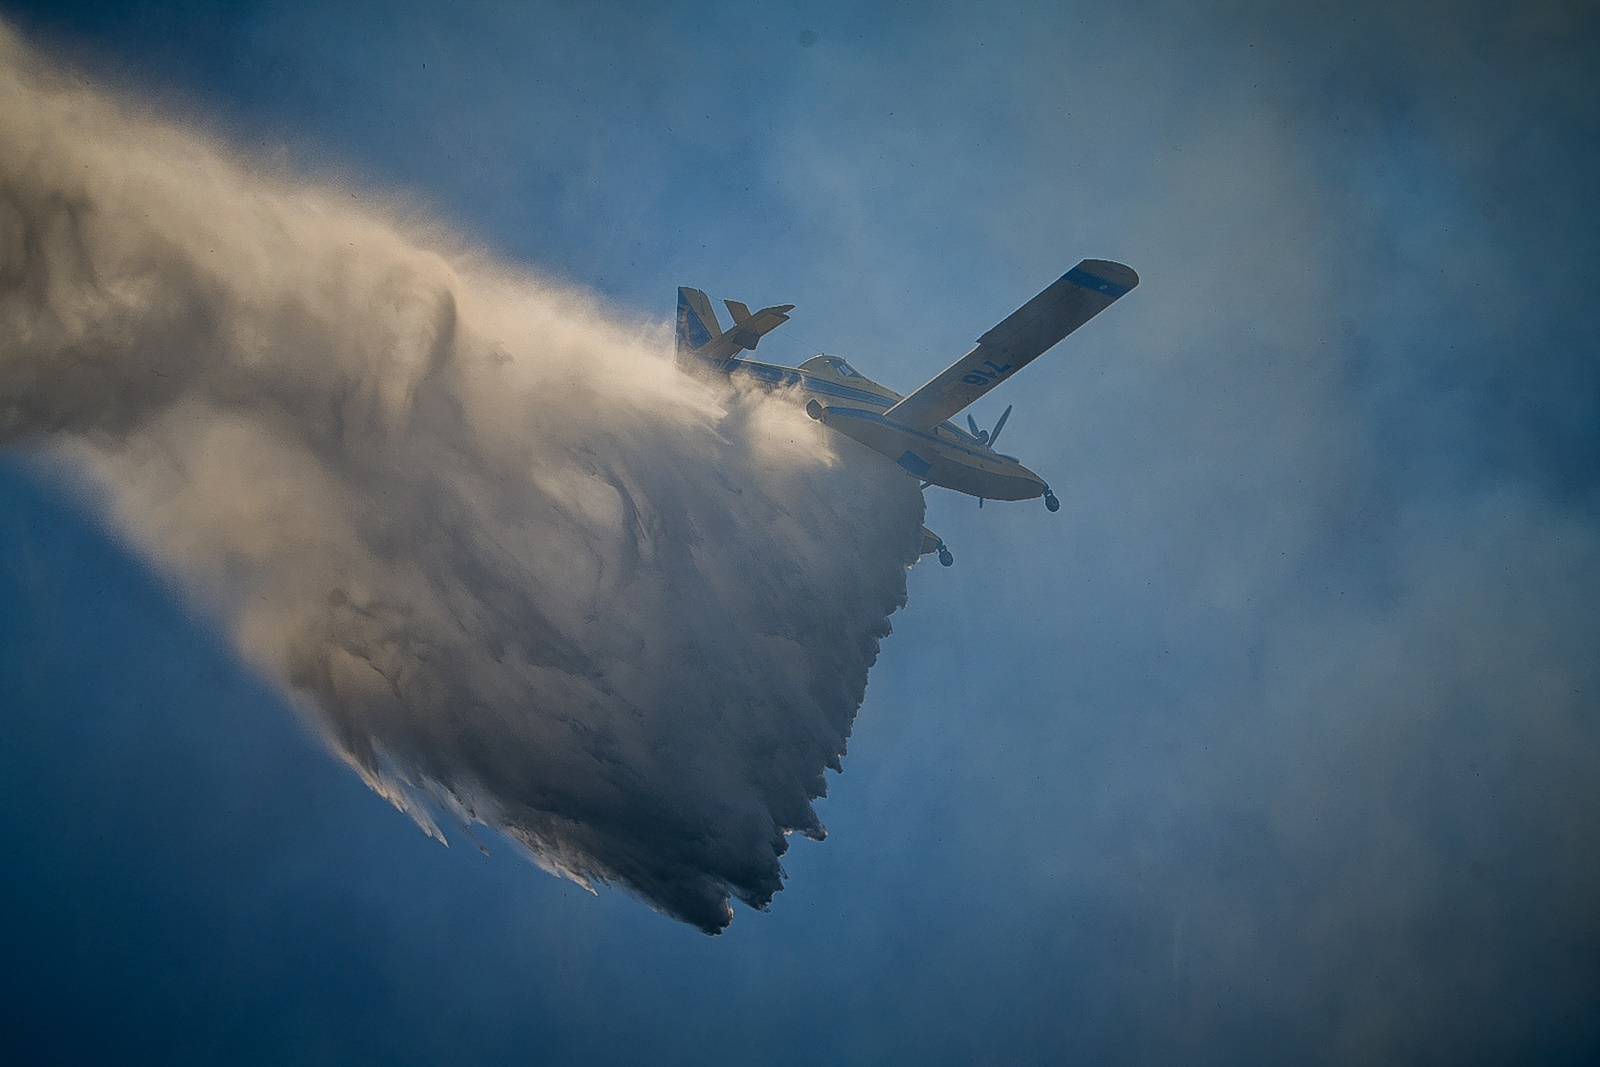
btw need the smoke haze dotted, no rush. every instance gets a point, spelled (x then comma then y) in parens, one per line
(1280, 743)
(515, 566)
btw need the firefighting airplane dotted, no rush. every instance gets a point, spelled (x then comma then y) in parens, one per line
(912, 431)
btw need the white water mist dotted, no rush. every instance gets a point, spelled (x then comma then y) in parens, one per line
(514, 565)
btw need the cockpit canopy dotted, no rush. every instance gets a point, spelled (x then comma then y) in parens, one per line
(831, 366)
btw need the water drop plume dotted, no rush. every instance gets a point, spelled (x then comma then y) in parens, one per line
(512, 563)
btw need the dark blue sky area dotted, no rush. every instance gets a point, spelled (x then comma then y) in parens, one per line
(1281, 743)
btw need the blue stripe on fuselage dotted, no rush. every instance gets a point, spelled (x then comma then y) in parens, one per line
(789, 376)
(873, 416)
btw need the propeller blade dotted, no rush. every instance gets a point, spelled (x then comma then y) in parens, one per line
(994, 434)
(979, 434)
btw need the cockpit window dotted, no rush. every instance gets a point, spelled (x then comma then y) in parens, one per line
(831, 365)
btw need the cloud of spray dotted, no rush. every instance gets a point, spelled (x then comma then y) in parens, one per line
(516, 566)
(1322, 701)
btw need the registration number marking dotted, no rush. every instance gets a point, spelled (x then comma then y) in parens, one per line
(981, 376)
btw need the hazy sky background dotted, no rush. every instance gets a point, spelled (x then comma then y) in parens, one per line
(1281, 741)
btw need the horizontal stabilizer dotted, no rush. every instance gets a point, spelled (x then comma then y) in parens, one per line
(749, 329)
(1024, 335)
(699, 335)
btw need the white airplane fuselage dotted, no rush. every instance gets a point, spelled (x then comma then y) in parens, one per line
(914, 431)
(847, 401)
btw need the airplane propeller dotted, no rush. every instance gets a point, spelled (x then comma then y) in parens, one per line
(988, 437)
(994, 434)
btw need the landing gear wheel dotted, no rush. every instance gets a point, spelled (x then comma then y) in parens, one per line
(945, 558)
(1050, 501)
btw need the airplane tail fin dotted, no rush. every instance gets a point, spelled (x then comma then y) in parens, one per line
(697, 323)
(700, 340)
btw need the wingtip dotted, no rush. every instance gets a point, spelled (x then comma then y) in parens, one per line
(1119, 274)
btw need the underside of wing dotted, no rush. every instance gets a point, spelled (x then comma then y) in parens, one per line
(1027, 333)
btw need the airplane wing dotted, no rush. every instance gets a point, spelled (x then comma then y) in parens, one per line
(1027, 333)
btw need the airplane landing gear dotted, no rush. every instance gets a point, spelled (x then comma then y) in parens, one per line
(1050, 501)
(932, 542)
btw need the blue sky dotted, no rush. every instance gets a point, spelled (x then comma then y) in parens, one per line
(1280, 742)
